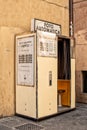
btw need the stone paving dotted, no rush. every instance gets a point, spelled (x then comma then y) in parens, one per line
(74, 120)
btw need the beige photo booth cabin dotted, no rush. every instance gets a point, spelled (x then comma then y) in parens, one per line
(45, 75)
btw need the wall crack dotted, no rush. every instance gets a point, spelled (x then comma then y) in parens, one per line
(52, 3)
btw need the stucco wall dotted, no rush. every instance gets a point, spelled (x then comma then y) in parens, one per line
(81, 63)
(80, 31)
(7, 86)
(80, 15)
(18, 13)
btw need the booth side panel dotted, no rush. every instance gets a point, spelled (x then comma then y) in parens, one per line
(26, 94)
(47, 86)
(26, 101)
(72, 83)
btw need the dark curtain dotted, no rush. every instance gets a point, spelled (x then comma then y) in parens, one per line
(63, 59)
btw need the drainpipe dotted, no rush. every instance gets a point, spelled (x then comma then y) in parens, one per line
(71, 18)
(71, 29)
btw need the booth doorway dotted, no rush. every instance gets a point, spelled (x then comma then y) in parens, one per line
(64, 74)
(84, 74)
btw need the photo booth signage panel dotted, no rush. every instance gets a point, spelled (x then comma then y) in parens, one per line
(42, 25)
(47, 44)
(25, 61)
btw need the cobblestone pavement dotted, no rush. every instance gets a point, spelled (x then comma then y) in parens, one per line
(74, 120)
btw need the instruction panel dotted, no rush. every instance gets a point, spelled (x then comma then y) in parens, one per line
(47, 44)
(25, 61)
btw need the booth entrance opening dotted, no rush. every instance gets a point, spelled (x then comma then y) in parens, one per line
(64, 74)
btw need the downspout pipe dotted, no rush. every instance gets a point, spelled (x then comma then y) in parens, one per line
(71, 30)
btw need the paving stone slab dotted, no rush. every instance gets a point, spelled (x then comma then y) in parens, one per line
(5, 128)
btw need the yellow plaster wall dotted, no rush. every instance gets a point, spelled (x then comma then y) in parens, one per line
(7, 89)
(18, 13)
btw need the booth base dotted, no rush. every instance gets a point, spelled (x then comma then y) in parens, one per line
(47, 117)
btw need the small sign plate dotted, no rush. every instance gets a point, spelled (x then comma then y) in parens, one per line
(45, 26)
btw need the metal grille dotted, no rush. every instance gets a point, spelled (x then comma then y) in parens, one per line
(30, 126)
